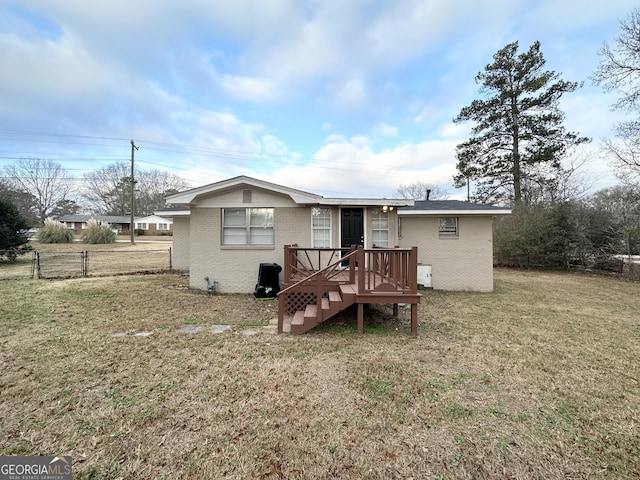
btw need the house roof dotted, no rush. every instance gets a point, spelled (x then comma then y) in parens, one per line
(101, 218)
(189, 196)
(170, 211)
(451, 207)
(112, 218)
(298, 196)
(153, 219)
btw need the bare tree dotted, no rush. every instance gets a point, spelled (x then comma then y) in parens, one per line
(46, 180)
(24, 202)
(422, 191)
(154, 186)
(619, 70)
(108, 189)
(569, 181)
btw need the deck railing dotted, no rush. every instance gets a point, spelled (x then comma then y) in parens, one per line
(310, 273)
(317, 283)
(389, 269)
(299, 263)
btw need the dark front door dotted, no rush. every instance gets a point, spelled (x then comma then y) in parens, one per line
(352, 227)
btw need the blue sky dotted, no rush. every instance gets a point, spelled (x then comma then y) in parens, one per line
(341, 98)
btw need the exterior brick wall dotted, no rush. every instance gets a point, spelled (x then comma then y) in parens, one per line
(181, 243)
(463, 263)
(235, 269)
(152, 229)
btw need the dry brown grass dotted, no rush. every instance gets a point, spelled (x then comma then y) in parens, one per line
(66, 260)
(537, 380)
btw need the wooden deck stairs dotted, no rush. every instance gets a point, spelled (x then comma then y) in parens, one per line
(334, 303)
(340, 278)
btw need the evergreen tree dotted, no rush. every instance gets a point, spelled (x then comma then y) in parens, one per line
(13, 240)
(518, 136)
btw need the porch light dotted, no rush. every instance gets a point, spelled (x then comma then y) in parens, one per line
(386, 208)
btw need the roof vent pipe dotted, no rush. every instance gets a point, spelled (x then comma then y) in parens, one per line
(428, 193)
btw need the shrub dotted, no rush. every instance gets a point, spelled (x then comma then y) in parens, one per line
(54, 232)
(13, 240)
(98, 232)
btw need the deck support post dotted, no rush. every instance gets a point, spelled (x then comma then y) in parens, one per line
(360, 317)
(414, 319)
(395, 309)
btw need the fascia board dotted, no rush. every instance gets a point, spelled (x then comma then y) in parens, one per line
(452, 212)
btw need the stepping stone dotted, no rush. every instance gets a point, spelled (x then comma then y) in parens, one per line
(220, 328)
(189, 329)
(120, 334)
(249, 332)
(143, 334)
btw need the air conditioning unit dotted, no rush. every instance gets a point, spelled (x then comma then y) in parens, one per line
(424, 276)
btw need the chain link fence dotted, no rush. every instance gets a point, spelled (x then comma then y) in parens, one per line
(632, 270)
(23, 267)
(86, 263)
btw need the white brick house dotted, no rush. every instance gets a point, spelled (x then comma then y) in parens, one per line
(454, 239)
(227, 229)
(154, 225)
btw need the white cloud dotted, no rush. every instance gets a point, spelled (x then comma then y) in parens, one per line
(352, 94)
(351, 168)
(453, 131)
(248, 78)
(252, 89)
(385, 130)
(49, 71)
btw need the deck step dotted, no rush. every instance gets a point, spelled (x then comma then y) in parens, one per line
(325, 303)
(298, 318)
(349, 291)
(300, 324)
(310, 312)
(334, 296)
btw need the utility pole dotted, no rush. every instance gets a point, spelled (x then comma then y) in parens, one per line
(133, 183)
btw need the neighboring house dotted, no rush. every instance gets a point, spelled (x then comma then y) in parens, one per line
(78, 223)
(225, 230)
(179, 216)
(154, 225)
(454, 240)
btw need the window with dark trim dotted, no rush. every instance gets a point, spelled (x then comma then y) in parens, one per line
(448, 227)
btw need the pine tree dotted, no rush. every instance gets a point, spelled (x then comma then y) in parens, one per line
(13, 240)
(518, 136)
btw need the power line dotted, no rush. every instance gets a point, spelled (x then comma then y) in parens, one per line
(180, 148)
(283, 159)
(49, 134)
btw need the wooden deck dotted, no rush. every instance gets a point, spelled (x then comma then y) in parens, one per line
(341, 278)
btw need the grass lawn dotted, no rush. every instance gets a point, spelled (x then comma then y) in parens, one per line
(539, 380)
(64, 260)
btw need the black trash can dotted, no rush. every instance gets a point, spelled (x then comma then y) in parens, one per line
(268, 284)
